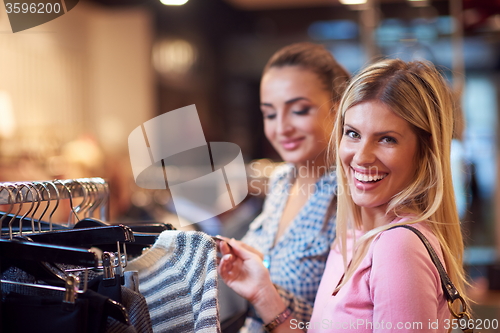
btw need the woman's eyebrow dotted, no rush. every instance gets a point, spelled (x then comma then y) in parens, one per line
(290, 101)
(375, 134)
(296, 99)
(387, 132)
(351, 127)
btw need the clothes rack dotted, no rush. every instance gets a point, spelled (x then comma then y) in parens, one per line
(28, 192)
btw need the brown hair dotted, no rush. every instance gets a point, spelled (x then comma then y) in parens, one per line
(316, 58)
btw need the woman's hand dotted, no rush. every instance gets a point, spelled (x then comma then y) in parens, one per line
(242, 270)
(241, 244)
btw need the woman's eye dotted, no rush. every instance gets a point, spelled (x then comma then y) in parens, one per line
(389, 139)
(351, 134)
(302, 112)
(270, 116)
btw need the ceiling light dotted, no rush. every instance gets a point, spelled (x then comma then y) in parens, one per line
(418, 3)
(352, 2)
(173, 2)
(176, 56)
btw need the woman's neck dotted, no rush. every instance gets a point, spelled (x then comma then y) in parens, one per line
(310, 171)
(374, 217)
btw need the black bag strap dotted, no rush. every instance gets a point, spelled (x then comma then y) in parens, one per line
(450, 291)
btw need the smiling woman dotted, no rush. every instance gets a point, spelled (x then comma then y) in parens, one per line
(300, 90)
(392, 140)
(393, 135)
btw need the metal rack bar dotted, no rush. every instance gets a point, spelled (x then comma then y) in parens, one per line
(36, 191)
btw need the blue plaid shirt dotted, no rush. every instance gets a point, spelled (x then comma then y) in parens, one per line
(297, 261)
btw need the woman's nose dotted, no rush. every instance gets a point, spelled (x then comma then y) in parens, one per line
(364, 153)
(284, 125)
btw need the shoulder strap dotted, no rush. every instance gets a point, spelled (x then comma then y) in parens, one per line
(449, 288)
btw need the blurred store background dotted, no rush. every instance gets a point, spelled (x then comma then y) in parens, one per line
(73, 89)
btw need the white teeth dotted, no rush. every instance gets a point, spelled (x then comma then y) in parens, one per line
(368, 178)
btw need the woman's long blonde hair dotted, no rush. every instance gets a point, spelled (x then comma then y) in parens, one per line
(417, 92)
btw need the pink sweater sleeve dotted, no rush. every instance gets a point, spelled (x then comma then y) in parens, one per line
(405, 284)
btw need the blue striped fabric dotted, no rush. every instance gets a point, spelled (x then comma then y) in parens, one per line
(297, 261)
(178, 278)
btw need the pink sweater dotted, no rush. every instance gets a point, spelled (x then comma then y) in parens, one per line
(396, 288)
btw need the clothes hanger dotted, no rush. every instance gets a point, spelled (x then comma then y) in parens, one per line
(16, 253)
(83, 206)
(20, 251)
(34, 251)
(7, 219)
(23, 218)
(38, 200)
(151, 227)
(44, 193)
(144, 233)
(27, 223)
(96, 195)
(45, 188)
(84, 237)
(11, 200)
(31, 257)
(104, 214)
(89, 197)
(107, 237)
(87, 206)
(38, 268)
(57, 203)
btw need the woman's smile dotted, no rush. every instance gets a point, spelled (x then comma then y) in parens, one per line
(377, 151)
(292, 144)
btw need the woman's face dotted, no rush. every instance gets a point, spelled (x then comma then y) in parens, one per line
(378, 153)
(296, 110)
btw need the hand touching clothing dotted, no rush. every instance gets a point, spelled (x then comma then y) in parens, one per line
(242, 270)
(247, 247)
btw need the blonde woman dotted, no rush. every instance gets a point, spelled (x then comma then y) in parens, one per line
(392, 140)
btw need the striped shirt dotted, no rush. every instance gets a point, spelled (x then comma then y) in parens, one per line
(178, 278)
(297, 261)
